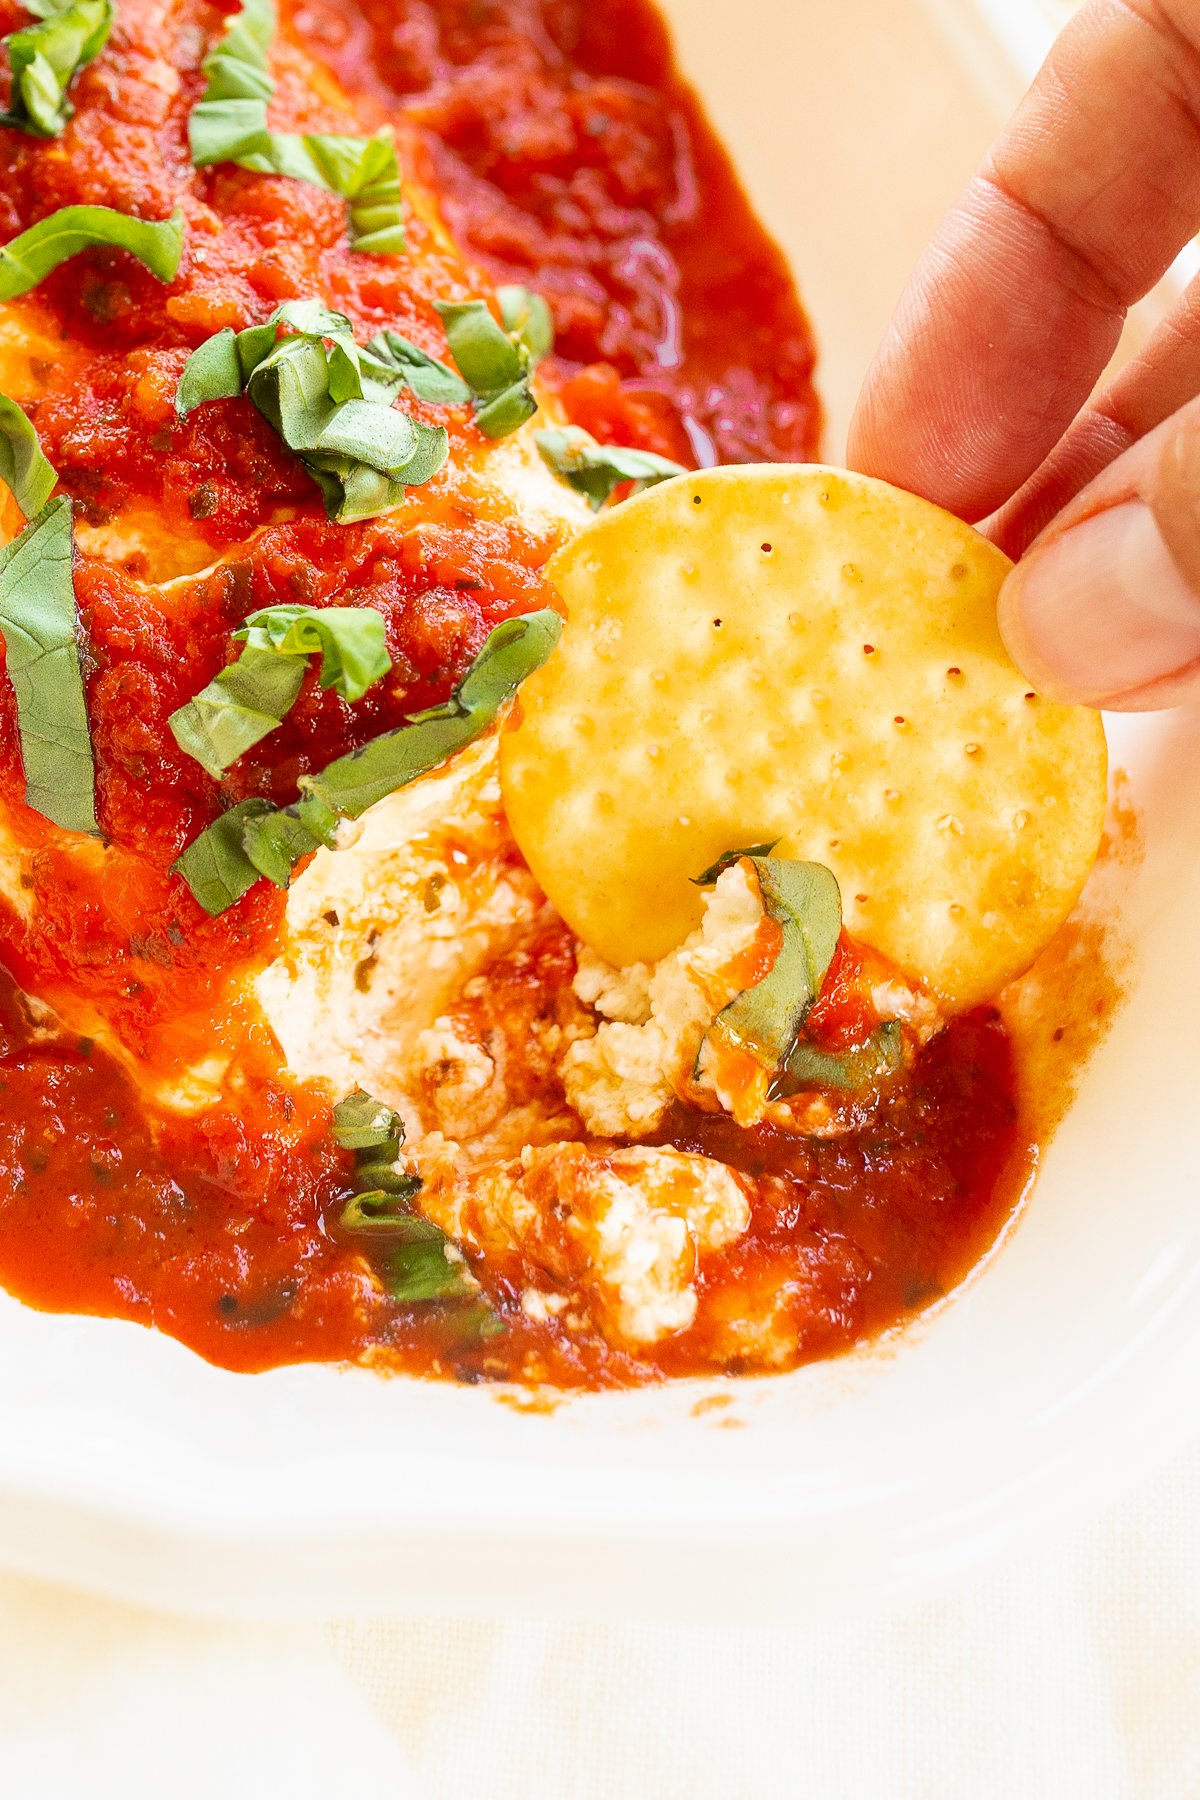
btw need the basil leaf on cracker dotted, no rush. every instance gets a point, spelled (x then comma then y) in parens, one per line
(804, 901)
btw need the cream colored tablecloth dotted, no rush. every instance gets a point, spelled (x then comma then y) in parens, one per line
(1068, 1673)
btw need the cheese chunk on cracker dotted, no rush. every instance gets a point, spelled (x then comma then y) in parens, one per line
(794, 653)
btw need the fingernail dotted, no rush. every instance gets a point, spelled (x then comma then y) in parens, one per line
(1102, 610)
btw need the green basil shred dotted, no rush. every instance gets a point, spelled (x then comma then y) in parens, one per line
(229, 124)
(413, 1257)
(256, 839)
(45, 58)
(329, 399)
(253, 695)
(39, 626)
(29, 258)
(767, 1019)
(594, 470)
(808, 1066)
(496, 361)
(803, 899)
(24, 468)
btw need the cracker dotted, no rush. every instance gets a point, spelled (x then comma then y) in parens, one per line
(798, 653)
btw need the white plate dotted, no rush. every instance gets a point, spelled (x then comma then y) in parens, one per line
(1066, 1367)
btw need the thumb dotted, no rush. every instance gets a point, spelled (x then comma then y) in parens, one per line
(1105, 606)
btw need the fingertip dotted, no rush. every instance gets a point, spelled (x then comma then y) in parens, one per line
(1101, 614)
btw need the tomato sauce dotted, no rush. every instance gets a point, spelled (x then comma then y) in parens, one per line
(564, 151)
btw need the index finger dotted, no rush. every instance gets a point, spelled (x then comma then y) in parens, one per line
(1018, 302)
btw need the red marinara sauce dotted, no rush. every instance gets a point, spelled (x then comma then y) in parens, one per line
(565, 152)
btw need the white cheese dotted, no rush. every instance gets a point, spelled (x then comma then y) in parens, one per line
(625, 1229)
(622, 1079)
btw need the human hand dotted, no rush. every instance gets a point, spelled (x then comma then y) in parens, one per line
(978, 396)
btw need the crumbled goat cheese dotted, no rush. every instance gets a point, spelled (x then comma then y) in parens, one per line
(625, 1228)
(381, 939)
(622, 1080)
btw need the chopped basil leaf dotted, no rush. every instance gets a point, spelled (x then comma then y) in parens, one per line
(229, 124)
(213, 372)
(511, 652)
(24, 469)
(238, 707)
(26, 260)
(252, 696)
(395, 362)
(499, 414)
(496, 365)
(727, 859)
(45, 58)
(527, 318)
(803, 899)
(349, 639)
(425, 1269)
(276, 841)
(385, 1178)
(256, 838)
(39, 625)
(215, 865)
(488, 359)
(385, 1214)
(413, 1257)
(594, 470)
(328, 401)
(807, 1066)
(363, 1123)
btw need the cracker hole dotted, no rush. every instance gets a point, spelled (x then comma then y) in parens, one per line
(954, 673)
(959, 571)
(868, 649)
(766, 549)
(697, 500)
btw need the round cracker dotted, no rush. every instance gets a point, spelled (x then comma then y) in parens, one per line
(794, 652)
